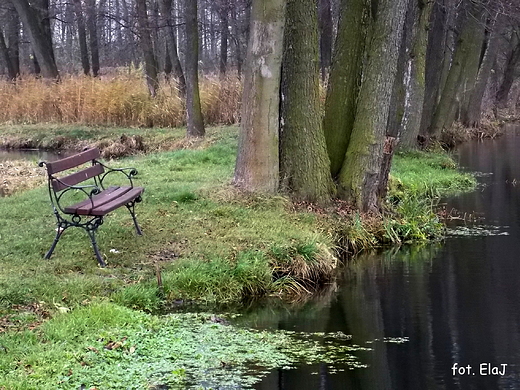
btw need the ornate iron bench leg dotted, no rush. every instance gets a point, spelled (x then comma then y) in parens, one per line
(59, 232)
(91, 228)
(131, 207)
(92, 235)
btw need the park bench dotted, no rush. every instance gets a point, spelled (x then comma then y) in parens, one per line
(83, 173)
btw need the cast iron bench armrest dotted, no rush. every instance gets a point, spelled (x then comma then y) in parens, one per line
(132, 172)
(95, 190)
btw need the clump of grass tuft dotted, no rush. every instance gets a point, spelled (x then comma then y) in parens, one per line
(220, 98)
(357, 233)
(219, 280)
(19, 176)
(415, 221)
(141, 296)
(306, 266)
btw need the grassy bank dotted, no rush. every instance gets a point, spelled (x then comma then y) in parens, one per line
(206, 241)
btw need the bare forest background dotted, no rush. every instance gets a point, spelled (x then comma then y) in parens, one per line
(343, 81)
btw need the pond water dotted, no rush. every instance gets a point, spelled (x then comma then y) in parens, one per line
(456, 302)
(31, 154)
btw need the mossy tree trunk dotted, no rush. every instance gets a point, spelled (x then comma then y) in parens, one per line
(194, 111)
(468, 48)
(304, 163)
(257, 165)
(472, 66)
(416, 79)
(344, 80)
(360, 173)
(401, 91)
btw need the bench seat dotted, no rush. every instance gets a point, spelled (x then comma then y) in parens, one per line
(106, 201)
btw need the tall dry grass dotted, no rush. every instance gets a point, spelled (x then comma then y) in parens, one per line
(120, 99)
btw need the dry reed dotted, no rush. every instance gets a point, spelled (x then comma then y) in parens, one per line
(120, 99)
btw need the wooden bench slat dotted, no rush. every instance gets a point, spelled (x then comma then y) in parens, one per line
(118, 202)
(85, 206)
(72, 161)
(104, 197)
(77, 177)
(106, 201)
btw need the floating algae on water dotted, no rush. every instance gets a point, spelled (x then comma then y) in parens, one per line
(478, 231)
(192, 351)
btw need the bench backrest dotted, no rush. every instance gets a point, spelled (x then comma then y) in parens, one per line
(73, 162)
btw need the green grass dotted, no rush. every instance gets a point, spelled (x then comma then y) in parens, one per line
(203, 241)
(418, 180)
(207, 242)
(428, 174)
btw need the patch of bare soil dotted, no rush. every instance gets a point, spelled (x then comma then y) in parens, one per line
(19, 175)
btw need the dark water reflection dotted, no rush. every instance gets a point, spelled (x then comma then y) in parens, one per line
(457, 302)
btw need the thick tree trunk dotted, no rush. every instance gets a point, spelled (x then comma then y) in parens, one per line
(195, 121)
(171, 43)
(462, 59)
(304, 164)
(415, 75)
(257, 165)
(93, 35)
(510, 72)
(82, 37)
(325, 27)
(35, 25)
(474, 109)
(344, 80)
(360, 173)
(150, 62)
(42, 8)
